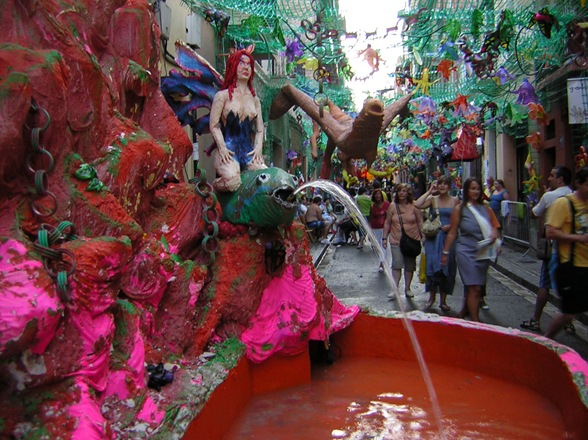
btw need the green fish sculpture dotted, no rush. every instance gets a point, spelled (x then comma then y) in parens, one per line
(264, 199)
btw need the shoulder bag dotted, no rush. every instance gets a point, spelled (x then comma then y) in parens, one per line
(408, 246)
(544, 247)
(569, 279)
(432, 227)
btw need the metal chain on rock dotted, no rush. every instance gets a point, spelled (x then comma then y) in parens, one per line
(210, 214)
(59, 263)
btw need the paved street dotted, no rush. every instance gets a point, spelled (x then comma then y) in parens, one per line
(353, 276)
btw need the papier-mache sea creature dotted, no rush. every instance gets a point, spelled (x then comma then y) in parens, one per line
(263, 199)
(355, 138)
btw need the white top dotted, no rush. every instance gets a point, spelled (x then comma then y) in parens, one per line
(548, 198)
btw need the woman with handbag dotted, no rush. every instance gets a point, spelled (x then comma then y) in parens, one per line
(439, 278)
(402, 229)
(476, 245)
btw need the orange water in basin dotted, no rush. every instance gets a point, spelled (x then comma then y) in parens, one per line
(491, 383)
(363, 398)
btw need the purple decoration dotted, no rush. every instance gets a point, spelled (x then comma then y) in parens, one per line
(426, 103)
(503, 75)
(293, 50)
(447, 50)
(426, 109)
(526, 93)
(291, 155)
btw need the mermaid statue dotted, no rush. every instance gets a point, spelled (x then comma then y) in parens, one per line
(236, 123)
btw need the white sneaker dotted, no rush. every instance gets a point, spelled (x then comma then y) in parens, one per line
(325, 241)
(409, 294)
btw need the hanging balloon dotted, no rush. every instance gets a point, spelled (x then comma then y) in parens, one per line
(349, 179)
(581, 158)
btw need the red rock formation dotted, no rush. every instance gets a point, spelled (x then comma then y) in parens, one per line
(100, 259)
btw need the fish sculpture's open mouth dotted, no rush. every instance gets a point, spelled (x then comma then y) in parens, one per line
(283, 195)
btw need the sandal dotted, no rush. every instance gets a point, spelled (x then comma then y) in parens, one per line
(570, 329)
(531, 324)
(445, 307)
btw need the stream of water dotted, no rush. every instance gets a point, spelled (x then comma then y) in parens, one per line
(343, 197)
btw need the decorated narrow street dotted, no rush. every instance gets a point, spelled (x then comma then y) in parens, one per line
(353, 276)
(172, 175)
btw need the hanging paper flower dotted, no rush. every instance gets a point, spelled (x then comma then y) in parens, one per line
(444, 68)
(405, 133)
(291, 155)
(308, 63)
(534, 140)
(477, 22)
(581, 158)
(538, 113)
(460, 105)
(526, 93)
(514, 115)
(529, 163)
(424, 104)
(447, 50)
(293, 50)
(532, 184)
(503, 76)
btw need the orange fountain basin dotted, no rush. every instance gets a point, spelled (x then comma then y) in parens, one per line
(490, 383)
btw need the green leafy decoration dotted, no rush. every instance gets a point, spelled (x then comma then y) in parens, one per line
(96, 185)
(85, 172)
(453, 29)
(253, 24)
(165, 243)
(477, 22)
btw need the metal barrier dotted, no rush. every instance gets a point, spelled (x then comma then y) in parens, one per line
(516, 225)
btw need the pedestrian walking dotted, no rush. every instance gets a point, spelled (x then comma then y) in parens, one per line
(477, 227)
(402, 215)
(559, 180)
(567, 224)
(498, 195)
(364, 202)
(378, 218)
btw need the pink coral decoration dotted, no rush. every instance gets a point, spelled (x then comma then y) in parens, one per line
(289, 314)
